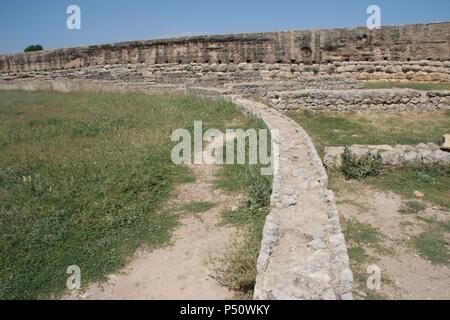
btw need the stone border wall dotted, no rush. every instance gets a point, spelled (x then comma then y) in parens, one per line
(373, 100)
(399, 155)
(303, 252)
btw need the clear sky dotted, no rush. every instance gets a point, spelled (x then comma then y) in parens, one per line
(25, 22)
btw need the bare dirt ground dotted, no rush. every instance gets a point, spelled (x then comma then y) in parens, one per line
(181, 270)
(406, 274)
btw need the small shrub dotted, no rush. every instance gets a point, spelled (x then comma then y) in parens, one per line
(34, 47)
(354, 167)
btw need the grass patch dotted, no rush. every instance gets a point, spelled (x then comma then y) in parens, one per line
(432, 246)
(359, 236)
(198, 207)
(406, 85)
(341, 130)
(358, 254)
(83, 179)
(391, 129)
(433, 181)
(361, 233)
(237, 269)
(412, 207)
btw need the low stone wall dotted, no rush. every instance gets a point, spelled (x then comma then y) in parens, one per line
(303, 251)
(263, 88)
(374, 100)
(399, 155)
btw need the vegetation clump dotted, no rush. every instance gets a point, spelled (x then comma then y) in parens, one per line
(358, 168)
(34, 47)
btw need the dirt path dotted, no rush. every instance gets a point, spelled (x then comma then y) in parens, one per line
(179, 271)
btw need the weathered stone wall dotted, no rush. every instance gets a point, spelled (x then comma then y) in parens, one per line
(313, 51)
(303, 252)
(399, 155)
(222, 74)
(385, 100)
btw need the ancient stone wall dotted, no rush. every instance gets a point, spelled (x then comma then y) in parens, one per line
(223, 74)
(303, 251)
(399, 155)
(322, 48)
(385, 100)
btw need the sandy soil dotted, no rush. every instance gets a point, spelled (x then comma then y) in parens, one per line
(179, 271)
(412, 277)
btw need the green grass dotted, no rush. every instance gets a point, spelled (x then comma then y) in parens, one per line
(412, 207)
(360, 236)
(391, 129)
(432, 246)
(198, 207)
(237, 269)
(83, 179)
(358, 254)
(361, 233)
(433, 181)
(406, 85)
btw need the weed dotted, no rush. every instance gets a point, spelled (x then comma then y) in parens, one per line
(354, 167)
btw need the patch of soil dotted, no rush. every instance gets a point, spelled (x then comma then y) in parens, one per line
(410, 276)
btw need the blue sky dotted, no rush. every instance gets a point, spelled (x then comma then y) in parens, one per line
(25, 22)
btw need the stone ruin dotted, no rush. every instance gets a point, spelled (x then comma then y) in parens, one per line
(303, 252)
